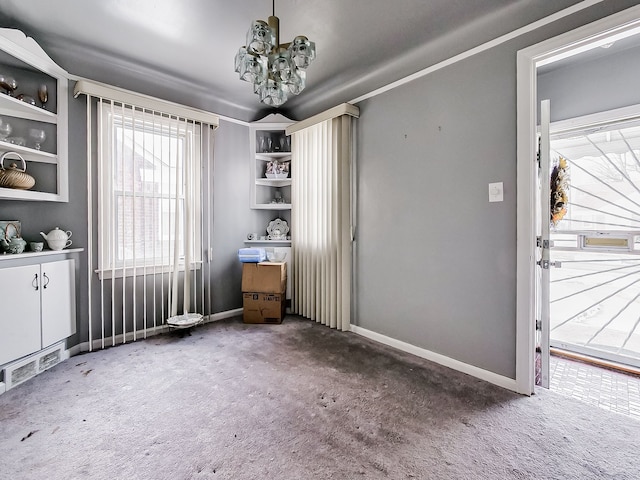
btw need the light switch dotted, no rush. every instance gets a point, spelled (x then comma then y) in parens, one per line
(496, 192)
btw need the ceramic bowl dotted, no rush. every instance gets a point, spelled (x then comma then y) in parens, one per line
(276, 256)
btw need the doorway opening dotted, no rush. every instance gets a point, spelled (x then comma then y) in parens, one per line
(594, 248)
(587, 237)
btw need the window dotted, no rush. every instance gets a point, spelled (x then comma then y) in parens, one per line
(149, 190)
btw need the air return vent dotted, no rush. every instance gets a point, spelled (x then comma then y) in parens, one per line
(28, 367)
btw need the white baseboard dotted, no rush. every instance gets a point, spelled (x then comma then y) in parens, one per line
(150, 332)
(500, 380)
(224, 315)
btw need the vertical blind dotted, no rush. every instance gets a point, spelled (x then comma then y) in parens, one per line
(147, 216)
(321, 222)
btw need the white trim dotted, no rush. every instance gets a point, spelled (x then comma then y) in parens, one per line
(527, 60)
(599, 119)
(101, 90)
(234, 120)
(337, 111)
(19, 45)
(141, 270)
(110, 341)
(480, 48)
(482, 374)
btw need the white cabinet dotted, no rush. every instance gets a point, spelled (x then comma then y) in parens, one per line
(38, 307)
(58, 315)
(37, 131)
(20, 318)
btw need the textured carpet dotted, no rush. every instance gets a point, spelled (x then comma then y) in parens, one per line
(295, 401)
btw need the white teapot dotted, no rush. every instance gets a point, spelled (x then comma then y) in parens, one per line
(57, 239)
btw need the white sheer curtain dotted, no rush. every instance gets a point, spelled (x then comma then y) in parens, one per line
(321, 222)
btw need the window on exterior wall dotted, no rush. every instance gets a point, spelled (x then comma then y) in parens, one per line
(149, 191)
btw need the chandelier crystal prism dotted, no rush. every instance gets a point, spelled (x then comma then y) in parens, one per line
(275, 70)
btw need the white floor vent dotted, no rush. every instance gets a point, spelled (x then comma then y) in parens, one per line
(28, 367)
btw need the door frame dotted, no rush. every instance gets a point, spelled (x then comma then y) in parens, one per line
(600, 32)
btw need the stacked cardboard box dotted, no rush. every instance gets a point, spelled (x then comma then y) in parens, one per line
(263, 292)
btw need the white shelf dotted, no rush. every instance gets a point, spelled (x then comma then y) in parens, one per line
(27, 195)
(267, 242)
(33, 154)
(12, 106)
(270, 156)
(273, 182)
(273, 206)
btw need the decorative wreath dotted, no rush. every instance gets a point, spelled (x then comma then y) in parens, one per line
(559, 190)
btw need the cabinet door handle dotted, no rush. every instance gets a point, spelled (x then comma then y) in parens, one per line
(34, 283)
(44, 275)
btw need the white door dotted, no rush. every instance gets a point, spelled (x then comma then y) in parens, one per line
(58, 301)
(543, 327)
(19, 312)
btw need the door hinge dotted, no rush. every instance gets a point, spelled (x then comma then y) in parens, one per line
(539, 325)
(545, 264)
(543, 243)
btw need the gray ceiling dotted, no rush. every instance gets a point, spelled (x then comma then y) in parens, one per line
(183, 50)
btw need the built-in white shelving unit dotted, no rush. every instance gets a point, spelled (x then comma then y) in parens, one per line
(22, 59)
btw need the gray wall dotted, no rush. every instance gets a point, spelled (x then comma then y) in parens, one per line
(436, 262)
(592, 86)
(232, 217)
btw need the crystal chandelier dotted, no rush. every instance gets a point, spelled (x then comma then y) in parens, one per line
(275, 70)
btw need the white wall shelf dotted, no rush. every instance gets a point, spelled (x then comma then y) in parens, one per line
(268, 243)
(33, 154)
(274, 206)
(284, 156)
(23, 59)
(12, 106)
(269, 142)
(273, 182)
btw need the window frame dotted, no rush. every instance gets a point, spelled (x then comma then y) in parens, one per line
(112, 116)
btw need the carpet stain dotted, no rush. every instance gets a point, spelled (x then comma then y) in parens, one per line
(28, 435)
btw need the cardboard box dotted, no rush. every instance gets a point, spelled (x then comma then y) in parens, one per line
(264, 277)
(263, 307)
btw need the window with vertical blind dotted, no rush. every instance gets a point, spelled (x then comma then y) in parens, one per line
(149, 184)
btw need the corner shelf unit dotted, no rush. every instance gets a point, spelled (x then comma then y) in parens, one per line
(23, 59)
(269, 143)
